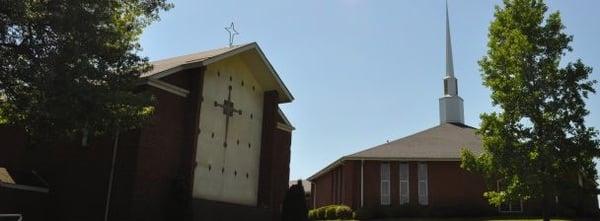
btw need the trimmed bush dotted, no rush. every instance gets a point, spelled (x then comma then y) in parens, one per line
(330, 212)
(343, 212)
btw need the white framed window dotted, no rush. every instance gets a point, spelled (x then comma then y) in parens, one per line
(404, 184)
(385, 184)
(422, 184)
(515, 206)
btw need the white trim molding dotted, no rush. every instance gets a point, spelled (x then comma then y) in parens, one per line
(168, 87)
(285, 127)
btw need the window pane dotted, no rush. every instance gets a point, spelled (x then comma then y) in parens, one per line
(422, 188)
(403, 192)
(385, 183)
(422, 171)
(385, 171)
(385, 188)
(422, 177)
(403, 168)
(403, 188)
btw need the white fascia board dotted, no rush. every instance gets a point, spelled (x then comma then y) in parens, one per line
(285, 119)
(341, 160)
(285, 127)
(326, 169)
(416, 159)
(168, 87)
(275, 75)
(200, 63)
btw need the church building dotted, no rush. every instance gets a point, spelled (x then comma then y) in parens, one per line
(217, 148)
(420, 169)
(420, 174)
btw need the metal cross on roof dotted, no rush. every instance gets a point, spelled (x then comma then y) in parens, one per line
(232, 33)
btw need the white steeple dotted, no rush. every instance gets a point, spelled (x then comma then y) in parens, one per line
(449, 61)
(451, 105)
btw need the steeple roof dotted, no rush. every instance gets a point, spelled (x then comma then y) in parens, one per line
(449, 60)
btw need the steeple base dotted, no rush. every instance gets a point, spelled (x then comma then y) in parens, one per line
(451, 110)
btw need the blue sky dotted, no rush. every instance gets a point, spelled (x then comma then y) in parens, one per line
(362, 72)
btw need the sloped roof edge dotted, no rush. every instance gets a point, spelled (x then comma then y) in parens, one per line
(404, 157)
(209, 57)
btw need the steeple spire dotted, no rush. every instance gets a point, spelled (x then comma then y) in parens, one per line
(449, 61)
(451, 105)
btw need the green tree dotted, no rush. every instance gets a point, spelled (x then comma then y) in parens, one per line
(69, 68)
(537, 142)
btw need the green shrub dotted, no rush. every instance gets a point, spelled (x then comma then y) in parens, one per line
(321, 212)
(330, 212)
(343, 212)
(312, 215)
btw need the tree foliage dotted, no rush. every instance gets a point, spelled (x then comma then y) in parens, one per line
(69, 67)
(537, 142)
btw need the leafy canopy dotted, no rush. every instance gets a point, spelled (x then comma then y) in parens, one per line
(69, 67)
(537, 143)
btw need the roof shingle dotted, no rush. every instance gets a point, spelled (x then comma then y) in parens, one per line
(440, 142)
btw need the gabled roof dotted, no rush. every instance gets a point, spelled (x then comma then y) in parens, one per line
(439, 143)
(166, 67)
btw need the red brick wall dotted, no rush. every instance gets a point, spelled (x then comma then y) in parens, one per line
(77, 175)
(322, 190)
(274, 158)
(351, 183)
(281, 166)
(159, 158)
(449, 185)
(371, 181)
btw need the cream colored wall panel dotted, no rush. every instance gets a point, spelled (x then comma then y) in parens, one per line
(226, 180)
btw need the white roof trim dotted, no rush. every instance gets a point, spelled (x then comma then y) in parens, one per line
(326, 169)
(285, 119)
(285, 127)
(194, 64)
(168, 87)
(341, 161)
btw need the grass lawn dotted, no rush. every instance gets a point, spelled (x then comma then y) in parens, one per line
(480, 219)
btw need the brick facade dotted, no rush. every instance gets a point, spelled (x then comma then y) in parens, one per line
(153, 167)
(449, 185)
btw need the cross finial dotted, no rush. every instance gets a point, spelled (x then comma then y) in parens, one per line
(232, 33)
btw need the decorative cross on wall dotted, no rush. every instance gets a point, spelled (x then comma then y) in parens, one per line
(228, 110)
(232, 33)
